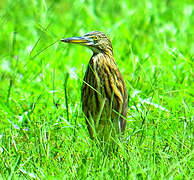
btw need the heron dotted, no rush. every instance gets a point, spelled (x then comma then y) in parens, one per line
(103, 95)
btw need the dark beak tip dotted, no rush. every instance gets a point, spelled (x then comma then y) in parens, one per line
(63, 40)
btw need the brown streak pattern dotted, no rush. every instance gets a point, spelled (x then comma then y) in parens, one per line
(103, 69)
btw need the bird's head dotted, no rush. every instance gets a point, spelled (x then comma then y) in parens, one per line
(95, 40)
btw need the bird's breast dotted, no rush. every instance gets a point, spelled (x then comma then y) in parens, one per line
(103, 80)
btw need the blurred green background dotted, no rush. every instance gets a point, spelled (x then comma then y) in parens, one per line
(42, 130)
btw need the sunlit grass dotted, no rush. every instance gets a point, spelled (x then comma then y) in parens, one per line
(43, 132)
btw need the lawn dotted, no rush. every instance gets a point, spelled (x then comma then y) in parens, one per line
(43, 134)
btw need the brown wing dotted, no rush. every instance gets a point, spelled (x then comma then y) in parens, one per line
(103, 80)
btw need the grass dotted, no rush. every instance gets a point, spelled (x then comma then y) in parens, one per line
(42, 130)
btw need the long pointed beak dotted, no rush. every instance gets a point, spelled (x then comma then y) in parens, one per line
(78, 40)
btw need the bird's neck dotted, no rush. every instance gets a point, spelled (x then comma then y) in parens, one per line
(103, 58)
(107, 52)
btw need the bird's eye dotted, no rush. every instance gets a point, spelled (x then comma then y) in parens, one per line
(95, 38)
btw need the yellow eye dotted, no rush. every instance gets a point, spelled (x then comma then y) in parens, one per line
(95, 38)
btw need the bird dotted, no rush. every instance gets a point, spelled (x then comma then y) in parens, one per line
(103, 94)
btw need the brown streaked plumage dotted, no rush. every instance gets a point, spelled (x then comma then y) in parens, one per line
(104, 95)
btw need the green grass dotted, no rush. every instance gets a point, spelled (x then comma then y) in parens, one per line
(42, 130)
